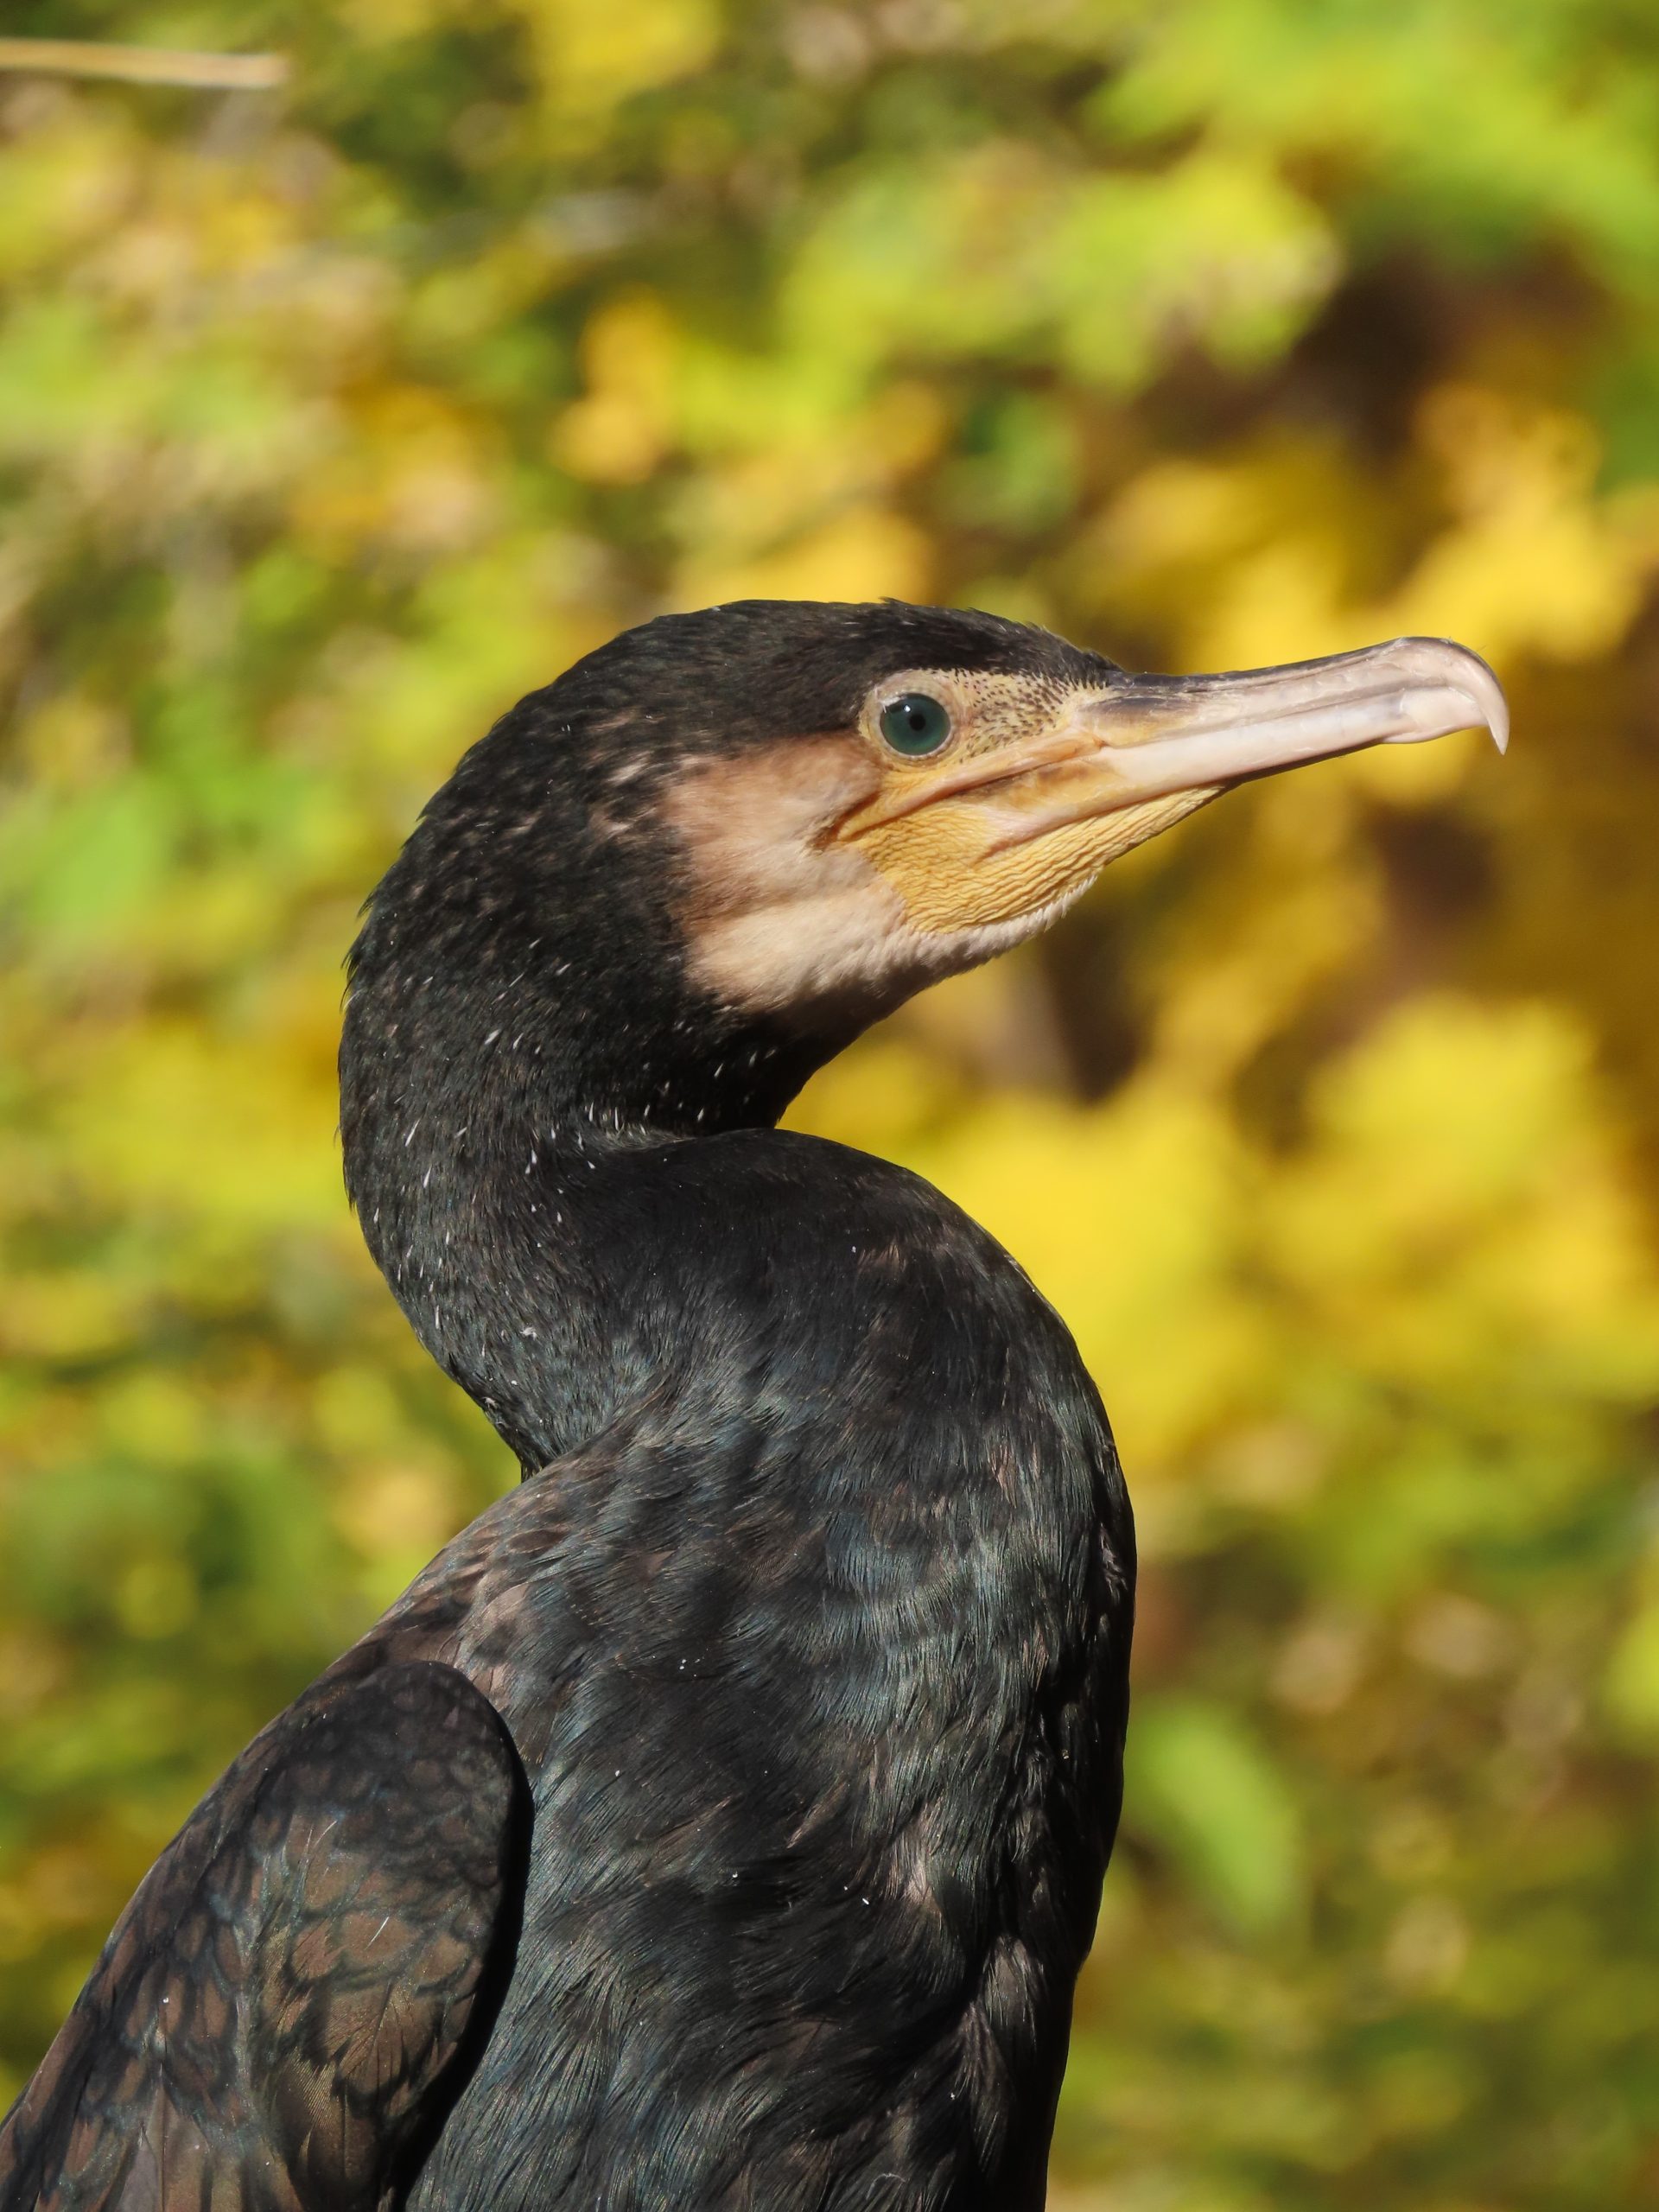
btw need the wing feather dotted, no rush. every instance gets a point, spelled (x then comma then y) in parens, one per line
(290, 2002)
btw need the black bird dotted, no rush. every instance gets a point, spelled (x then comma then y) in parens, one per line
(719, 1822)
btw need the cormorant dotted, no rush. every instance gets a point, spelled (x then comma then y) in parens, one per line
(719, 1821)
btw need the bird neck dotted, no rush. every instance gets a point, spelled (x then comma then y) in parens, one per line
(498, 1145)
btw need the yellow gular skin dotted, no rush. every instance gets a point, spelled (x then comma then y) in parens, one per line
(941, 863)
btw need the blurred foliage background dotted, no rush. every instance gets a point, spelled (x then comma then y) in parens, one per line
(1211, 331)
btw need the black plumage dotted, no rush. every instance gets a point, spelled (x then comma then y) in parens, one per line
(719, 1821)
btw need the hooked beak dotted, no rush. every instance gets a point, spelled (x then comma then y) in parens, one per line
(1153, 737)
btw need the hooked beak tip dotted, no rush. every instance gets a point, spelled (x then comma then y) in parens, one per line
(1474, 685)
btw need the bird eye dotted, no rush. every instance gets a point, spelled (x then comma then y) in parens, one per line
(915, 724)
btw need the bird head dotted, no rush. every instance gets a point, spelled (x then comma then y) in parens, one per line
(946, 784)
(729, 839)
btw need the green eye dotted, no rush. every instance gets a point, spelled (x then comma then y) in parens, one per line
(915, 724)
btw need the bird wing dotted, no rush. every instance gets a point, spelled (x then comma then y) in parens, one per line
(290, 2002)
